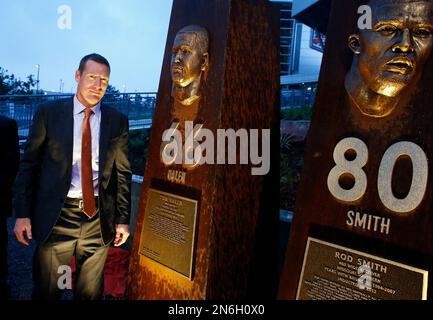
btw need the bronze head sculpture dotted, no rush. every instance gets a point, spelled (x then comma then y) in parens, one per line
(389, 59)
(189, 61)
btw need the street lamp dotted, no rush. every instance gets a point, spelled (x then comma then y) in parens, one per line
(38, 66)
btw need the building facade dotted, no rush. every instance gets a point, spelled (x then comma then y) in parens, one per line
(301, 50)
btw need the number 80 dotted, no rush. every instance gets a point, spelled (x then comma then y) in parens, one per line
(384, 179)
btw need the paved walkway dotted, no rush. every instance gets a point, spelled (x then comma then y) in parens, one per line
(20, 266)
(20, 269)
(20, 256)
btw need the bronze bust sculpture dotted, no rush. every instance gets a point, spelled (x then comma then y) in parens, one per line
(389, 59)
(190, 60)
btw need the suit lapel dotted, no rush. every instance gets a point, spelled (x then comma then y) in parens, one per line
(103, 140)
(68, 131)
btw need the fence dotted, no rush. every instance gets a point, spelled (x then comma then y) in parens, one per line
(300, 97)
(139, 107)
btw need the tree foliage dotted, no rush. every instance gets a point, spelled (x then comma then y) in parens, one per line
(112, 90)
(138, 145)
(9, 84)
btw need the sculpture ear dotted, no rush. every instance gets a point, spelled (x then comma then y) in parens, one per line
(354, 43)
(205, 61)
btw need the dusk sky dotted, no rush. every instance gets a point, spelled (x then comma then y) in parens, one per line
(131, 34)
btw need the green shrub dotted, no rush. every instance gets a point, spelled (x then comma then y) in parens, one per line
(301, 113)
(291, 161)
(138, 145)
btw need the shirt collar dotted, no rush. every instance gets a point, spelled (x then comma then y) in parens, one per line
(78, 107)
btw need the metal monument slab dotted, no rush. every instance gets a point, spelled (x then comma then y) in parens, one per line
(220, 75)
(367, 175)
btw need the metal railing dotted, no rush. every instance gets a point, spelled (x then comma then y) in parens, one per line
(295, 98)
(139, 107)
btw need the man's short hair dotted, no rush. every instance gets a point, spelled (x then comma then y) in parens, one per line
(201, 36)
(94, 57)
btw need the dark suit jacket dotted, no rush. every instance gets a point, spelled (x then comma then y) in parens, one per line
(45, 171)
(9, 159)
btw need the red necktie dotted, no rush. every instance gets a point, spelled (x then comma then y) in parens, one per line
(89, 207)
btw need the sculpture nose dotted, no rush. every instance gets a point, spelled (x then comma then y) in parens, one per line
(404, 45)
(178, 57)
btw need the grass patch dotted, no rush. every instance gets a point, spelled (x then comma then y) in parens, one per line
(299, 113)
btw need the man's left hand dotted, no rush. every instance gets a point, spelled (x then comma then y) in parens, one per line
(122, 234)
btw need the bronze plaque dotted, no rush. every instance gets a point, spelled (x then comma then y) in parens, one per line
(332, 272)
(169, 230)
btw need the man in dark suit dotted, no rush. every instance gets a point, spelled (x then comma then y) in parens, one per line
(8, 169)
(73, 186)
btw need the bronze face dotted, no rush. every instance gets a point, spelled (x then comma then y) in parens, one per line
(389, 59)
(186, 60)
(189, 60)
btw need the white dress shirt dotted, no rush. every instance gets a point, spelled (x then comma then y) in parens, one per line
(75, 190)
